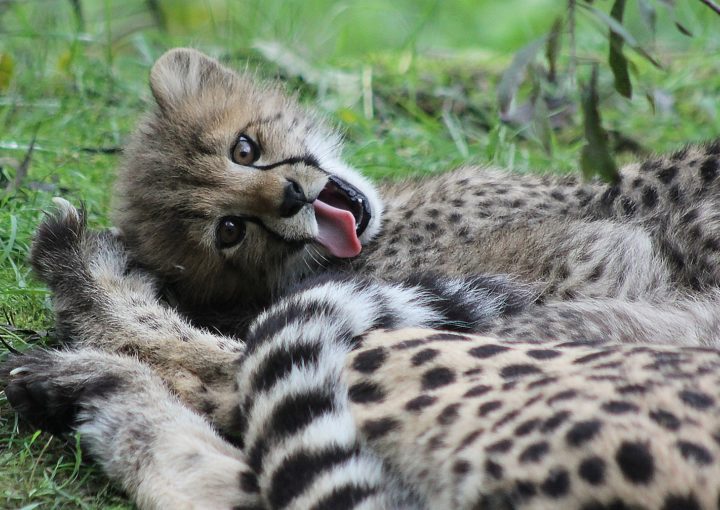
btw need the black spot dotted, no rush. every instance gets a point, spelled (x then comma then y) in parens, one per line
(431, 226)
(493, 469)
(628, 206)
(366, 391)
(374, 429)
(563, 395)
(582, 432)
(667, 174)
(556, 484)
(609, 196)
(557, 195)
(455, 217)
(423, 356)
(369, 361)
(506, 418)
(435, 442)
(541, 382)
(649, 197)
(448, 415)
(695, 452)
(631, 389)
(554, 421)
(543, 353)
(487, 351)
(665, 419)
(433, 213)
(476, 391)
(676, 502)
(593, 356)
(535, 452)
(526, 427)
(437, 377)
(502, 446)
(696, 399)
(510, 385)
(420, 403)
(709, 169)
(461, 467)
(525, 489)
(635, 462)
(519, 370)
(469, 439)
(620, 407)
(650, 165)
(592, 470)
(675, 195)
(488, 407)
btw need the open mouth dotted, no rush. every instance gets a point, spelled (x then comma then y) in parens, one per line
(342, 213)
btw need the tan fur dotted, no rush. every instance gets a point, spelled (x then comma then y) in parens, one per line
(651, 238)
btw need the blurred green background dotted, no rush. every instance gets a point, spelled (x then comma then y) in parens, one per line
(412, 83)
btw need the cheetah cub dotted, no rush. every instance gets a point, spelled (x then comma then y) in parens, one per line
(231, 192)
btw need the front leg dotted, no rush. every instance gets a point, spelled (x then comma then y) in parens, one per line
(164, 455)
(102, 303)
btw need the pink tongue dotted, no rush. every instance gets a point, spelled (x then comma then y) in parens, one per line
(336, 230)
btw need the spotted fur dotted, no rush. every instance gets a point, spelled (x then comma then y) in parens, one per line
(327, 416)
(323, 416)
(634, 261)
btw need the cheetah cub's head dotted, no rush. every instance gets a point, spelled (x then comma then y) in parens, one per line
(228, 187)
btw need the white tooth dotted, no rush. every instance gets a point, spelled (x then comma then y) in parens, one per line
(19, 370)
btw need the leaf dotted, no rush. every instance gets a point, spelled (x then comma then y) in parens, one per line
(621, 31)
(514, 75)
(616, 59)
(648, 14)
(595, 158)
(552, 48)
(682, 29)
(7, 67)
(541, 122)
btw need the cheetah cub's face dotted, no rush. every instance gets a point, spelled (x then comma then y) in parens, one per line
(229, 185)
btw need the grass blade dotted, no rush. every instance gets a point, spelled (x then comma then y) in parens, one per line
(616, 58)
(514, 75)
(595, 158)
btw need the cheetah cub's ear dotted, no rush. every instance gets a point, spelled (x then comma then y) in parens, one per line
(182, 74)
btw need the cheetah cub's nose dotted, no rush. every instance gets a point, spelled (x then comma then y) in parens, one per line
(293, 199)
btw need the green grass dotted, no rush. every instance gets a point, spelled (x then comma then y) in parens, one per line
(430, 73)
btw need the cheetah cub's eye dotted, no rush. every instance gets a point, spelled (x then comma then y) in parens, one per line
(245, 151)
(230, 231)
